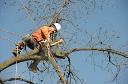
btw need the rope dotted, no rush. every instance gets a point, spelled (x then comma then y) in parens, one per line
(16, 71)
(4, 38)
(12, 33)
(27, 11)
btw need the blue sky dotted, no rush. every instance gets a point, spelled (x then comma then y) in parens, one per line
(92, 68)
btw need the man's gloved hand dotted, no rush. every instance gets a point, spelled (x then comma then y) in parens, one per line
(44, 41)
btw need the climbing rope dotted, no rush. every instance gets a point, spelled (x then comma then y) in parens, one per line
(16, 71)
(27, 11)
(11, 33)
(9, 40)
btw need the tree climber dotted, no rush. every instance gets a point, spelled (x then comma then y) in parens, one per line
(35, 39)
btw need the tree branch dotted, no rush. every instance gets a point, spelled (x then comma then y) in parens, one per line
(56, 14)
(56, 66)
(12, 79)
(60, 54)
(28, 56)
(32, 55)
(123, 54)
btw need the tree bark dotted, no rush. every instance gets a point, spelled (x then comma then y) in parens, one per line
(55, 66)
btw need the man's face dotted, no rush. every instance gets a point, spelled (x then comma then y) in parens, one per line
(55, 30)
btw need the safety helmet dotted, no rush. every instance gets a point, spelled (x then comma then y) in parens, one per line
(58, 26)
(26, 38)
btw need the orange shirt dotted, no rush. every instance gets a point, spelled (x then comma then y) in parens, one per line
(43, 33)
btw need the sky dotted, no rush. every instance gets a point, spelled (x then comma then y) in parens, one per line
(91, 68)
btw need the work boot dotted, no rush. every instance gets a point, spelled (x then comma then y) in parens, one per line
(15, 52)
(33, 67)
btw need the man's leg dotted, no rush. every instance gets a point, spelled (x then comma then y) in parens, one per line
(33, 66)
(42, 48)
(31, 44)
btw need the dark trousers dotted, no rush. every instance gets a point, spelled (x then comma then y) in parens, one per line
(21, 45)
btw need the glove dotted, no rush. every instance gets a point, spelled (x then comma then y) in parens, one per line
(44, 41)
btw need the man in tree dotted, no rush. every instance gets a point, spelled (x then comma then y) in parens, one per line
(35, 39)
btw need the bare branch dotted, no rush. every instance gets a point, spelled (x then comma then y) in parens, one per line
(20, 79)
(56, 14)
(123, 54)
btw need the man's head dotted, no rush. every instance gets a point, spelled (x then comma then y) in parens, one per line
(57, 26)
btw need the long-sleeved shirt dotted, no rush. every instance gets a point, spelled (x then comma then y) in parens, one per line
(42, 34)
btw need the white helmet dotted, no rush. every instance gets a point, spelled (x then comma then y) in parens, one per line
(58, 26)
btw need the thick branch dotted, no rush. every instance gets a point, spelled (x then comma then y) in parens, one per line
(32, 55)
(56, 67)
(27, 56)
